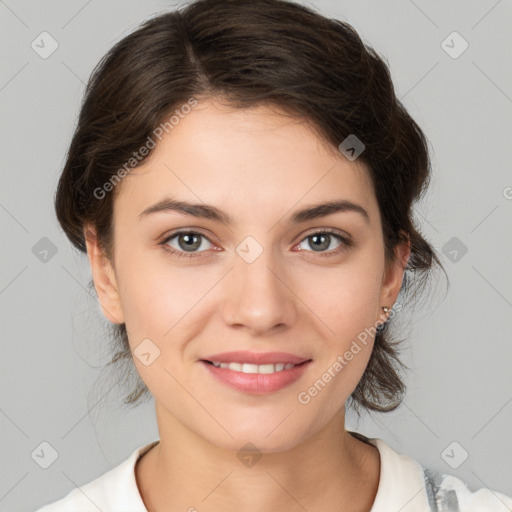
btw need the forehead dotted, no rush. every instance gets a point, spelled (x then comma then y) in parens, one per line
(254, 160)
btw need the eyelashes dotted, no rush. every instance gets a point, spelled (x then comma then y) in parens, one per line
(329, 234)
(181, 253)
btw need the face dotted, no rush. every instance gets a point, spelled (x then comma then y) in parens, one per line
(189, 287)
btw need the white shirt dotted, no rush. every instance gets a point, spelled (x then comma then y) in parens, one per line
(404, 485)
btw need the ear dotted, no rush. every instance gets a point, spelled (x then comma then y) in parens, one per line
(104, 277)
(394, 273)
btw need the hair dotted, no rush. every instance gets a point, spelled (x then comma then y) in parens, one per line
(250, 52)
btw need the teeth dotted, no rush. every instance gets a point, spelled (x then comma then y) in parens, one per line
(254, 368)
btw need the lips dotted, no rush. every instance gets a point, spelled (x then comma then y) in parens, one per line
(256, 373)
(256, 358)
(254, 368)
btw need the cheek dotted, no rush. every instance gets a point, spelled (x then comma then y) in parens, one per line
(344, 301)
(345, 297)
(159, 298)
(149, 297)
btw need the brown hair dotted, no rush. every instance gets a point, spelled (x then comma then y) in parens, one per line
(251, 52)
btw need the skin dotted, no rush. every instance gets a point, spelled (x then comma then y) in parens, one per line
(259, 167)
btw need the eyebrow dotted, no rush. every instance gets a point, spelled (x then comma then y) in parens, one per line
(212, 213)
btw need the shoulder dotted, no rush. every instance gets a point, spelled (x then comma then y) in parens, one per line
(114, 491)
(406, 485)
(448, 493)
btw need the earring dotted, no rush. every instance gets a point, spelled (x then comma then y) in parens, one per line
(386, 310)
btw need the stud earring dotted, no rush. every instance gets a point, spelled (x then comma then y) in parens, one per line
(386, 310)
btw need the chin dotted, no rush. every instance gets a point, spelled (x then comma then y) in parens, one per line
(257, 442)
(271, 436)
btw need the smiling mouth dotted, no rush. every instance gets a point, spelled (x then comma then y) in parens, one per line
(255, 368)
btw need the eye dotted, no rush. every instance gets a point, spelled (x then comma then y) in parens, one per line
(188, 242)
(321, 240)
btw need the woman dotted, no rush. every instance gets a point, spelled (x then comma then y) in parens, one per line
(241, 179)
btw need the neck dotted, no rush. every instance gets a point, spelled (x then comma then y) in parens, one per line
(331, 470)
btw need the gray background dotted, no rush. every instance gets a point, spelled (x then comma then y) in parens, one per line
(459, 349)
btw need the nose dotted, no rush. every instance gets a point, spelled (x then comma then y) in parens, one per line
(258, 297)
